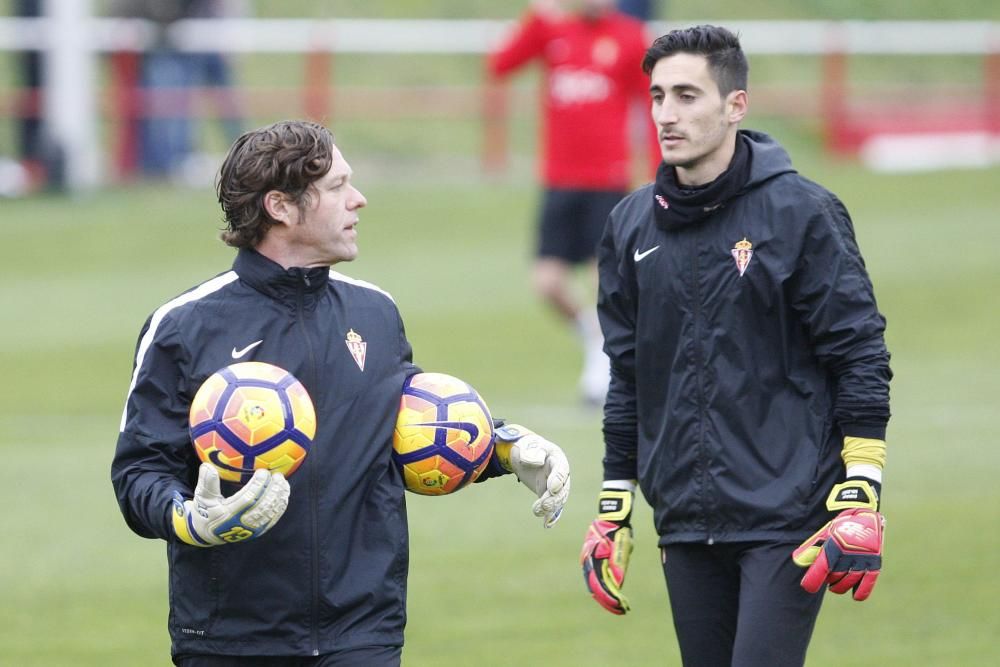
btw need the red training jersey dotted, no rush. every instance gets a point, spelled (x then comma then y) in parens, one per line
(592, 75)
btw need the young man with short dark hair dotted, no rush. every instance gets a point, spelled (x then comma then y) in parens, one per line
(750, 378)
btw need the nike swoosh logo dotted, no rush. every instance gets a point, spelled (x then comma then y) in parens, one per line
(214, 457)
(468, 427)
(640, 255)
(240, 353)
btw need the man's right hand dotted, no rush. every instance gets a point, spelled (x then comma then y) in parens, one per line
(606, 550)
(210, 519)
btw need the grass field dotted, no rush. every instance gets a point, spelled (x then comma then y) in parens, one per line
(488, 585)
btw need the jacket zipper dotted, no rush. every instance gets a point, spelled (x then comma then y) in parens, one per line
(313, 490)
(702, 456)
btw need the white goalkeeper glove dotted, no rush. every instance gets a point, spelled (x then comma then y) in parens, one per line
(539, 464)
(210, 519)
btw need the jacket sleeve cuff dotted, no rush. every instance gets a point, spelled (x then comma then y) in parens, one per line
(615, 472)
(863, 430)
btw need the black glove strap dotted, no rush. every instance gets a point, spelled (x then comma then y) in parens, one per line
(855, 492)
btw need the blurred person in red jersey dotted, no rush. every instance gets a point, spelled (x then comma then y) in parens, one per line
(590, 55)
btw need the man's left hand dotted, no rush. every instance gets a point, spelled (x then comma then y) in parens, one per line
(539, 464)
(845, 554)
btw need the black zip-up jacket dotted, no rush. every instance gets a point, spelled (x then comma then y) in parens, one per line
(331, 574)
(731, 394)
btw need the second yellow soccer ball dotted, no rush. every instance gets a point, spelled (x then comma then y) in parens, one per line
(444, 434)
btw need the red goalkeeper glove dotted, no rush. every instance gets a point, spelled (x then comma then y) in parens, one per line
(606, 550)
(846, 553)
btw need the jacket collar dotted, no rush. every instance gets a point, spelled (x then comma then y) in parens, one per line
(677, 205)
(757, 159)
(272, 279)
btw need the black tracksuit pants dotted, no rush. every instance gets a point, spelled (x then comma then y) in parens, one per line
(739, 604)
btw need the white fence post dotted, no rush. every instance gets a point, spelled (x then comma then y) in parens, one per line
(69, 100)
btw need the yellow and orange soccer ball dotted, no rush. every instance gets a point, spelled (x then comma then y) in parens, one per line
(252, 415)
(444, 434)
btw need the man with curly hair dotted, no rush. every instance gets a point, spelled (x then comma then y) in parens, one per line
(317, 576)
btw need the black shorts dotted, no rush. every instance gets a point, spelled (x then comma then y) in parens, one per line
(572, 221)
(739, 604)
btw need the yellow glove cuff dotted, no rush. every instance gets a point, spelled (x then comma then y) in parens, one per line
(505, 437)
(181, 527)
(502, 449)
(863, 451)
(614, 505)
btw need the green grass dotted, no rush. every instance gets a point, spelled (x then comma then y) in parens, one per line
(488, 585)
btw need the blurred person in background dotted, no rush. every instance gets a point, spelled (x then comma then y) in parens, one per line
(590, 55)
(40, 160)
(165, 129)
(214, 69)
(640, 9)
(311, 570)
(750, 378)
(162, 127)
(29, 126)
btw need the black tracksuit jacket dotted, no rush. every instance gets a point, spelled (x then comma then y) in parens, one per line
(731, 394)
(331, 574)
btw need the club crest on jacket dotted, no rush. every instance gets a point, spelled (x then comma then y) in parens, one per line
(742, 252)
(357, 347)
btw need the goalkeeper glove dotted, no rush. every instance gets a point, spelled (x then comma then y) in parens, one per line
(539, 464)
(606, 550)
(210, 519)
(846, 553)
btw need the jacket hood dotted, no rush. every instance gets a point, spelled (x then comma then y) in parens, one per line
(767, 158)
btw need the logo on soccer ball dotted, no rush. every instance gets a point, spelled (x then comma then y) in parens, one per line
(444, 434)
(252, 415)
(468, 427)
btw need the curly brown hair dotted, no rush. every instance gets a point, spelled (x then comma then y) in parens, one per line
(288, 156)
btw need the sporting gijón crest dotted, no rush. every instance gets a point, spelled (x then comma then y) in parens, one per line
(357, 347)
(742, 252)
